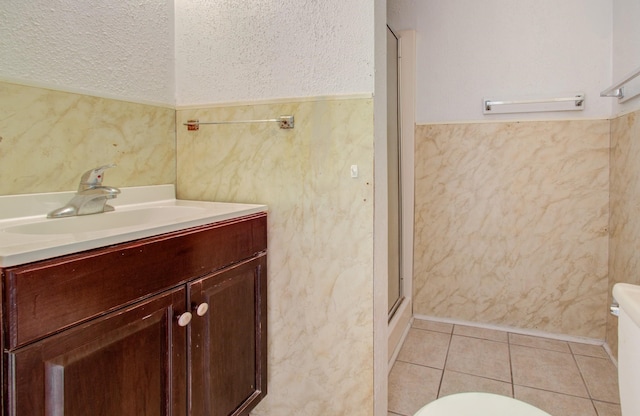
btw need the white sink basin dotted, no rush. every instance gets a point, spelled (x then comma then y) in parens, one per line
(26, 235)
(108, 220)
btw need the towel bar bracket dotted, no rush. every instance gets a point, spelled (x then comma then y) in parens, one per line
(618, 90)
(617, 93)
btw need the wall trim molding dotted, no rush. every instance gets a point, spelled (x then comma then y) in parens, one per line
(283, 100)
(514, 330)
(81, 91)
(277, 101)
(512, 121)
(625, 113)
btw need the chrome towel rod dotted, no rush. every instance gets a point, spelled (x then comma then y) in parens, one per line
(284, 122)
(617, 89)
(574, 102)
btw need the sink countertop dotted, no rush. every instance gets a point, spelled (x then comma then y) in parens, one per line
(27, 212)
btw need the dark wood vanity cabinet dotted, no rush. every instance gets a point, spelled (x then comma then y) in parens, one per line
(129, 362)
(82, 336)
(228, 361)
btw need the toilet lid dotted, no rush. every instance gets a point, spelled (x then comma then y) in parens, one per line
(479, 404)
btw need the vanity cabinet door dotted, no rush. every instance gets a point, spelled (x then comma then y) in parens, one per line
(131, 362)
(229, 341)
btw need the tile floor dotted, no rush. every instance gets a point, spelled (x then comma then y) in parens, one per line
(561, 378)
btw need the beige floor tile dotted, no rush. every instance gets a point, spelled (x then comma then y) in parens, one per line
(539, 342)
(549, 374)
(479, 357)
(607, 409)
(412, 386)
(546, 370)
(426, 348)
(589, 350)
(433, 326)
(475, 332)
(454, 382)
(601, 377)
(555, 404)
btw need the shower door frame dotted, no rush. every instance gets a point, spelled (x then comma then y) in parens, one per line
(400, 322)
(394, 176)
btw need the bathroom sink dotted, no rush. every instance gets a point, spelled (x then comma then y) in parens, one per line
(628, 296)
(107, 221)
(27, 235)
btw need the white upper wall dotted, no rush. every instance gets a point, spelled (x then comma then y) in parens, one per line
(99, 47)
(626, 48)
(468, 50)
(234, 50)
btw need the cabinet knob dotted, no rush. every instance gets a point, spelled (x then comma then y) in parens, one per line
(184, 319)
(202, 308)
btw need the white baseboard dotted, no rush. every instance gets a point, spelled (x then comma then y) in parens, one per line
(514, 330)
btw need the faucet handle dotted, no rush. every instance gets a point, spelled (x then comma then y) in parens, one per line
(93, 177)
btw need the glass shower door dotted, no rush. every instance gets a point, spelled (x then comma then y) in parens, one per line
(393, 175)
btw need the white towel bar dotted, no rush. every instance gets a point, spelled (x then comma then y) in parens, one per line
(284, 122)
(569, 103)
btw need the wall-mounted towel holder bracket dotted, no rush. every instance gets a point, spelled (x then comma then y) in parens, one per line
(284, 122)
(619, 91)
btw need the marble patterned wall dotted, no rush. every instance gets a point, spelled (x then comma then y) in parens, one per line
(49, 138)
(624, 224)
(320, 267)
(511, 224)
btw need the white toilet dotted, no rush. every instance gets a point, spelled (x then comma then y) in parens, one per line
(479, 404)
(485, 404)
(628, 296)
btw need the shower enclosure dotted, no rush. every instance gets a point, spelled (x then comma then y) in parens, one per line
(394, 174)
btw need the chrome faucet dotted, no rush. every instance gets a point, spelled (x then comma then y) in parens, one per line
(91, 197)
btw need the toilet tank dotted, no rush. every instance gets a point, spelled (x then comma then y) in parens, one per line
(628, 297)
